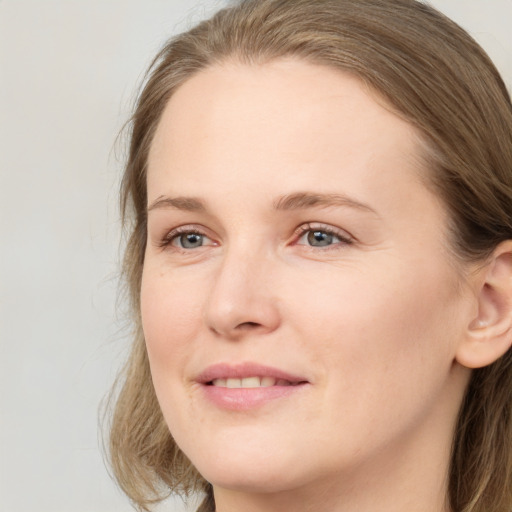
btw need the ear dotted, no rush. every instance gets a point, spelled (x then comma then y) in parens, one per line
(489, 334)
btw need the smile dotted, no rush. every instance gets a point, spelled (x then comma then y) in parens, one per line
(251, 382)
(248, 386)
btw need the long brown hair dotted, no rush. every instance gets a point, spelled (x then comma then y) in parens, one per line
(435, 76)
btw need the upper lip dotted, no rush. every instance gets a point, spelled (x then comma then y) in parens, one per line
(243, 370)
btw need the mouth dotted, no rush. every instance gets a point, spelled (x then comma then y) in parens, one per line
(247, 386)
(251, 382)
(247, 375)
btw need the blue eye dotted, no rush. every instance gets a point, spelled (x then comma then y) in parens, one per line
(319, 238)
(189, 240)
(186, 238)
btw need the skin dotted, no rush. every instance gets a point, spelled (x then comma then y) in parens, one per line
(373, 320)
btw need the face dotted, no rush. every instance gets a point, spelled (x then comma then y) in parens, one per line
(300, 307)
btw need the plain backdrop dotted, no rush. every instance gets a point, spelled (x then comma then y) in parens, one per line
(68, 76)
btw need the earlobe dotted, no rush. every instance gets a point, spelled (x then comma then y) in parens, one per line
(489, 334)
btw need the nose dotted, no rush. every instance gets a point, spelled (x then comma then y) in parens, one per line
(242, 300)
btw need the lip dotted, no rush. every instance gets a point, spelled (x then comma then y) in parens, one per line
(240, 371)
(242, 399)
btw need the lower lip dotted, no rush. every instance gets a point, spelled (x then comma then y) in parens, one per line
(243, 399)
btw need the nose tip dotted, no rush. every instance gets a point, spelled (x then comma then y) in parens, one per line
(247, 317)
(241, 303)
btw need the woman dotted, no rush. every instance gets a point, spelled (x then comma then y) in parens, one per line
(320, 265)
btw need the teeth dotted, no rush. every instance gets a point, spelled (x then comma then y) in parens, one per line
(250, 382)
(266, 382)
(233, 383)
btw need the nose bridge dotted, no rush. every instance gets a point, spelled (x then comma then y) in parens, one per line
(241, 297)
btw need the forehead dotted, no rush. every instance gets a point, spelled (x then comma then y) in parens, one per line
(282, 119)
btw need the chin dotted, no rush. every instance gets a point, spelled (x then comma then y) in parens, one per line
(240, 468)
(249, 479)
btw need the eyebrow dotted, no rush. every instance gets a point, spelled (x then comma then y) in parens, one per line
(296, 201)
(303, 200)
(190, 204)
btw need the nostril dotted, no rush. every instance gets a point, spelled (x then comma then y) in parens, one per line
(248, 325)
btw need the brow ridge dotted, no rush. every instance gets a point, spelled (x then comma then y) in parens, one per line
(295, 201)
(191, 204)
(303, 200)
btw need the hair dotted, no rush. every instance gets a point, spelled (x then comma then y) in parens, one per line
(435, 76)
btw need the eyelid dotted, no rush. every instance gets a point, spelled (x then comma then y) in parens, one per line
(170, 236)
(343, 235)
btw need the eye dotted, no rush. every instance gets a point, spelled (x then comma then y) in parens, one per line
(321, 236)
(186, 238)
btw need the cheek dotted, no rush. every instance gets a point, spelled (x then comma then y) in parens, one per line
(170, 320)
(383, 338)
(368, 309)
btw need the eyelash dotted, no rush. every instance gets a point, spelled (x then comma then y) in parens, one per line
(342, 236)
(175, 233)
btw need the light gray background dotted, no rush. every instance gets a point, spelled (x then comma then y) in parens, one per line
(68, 73)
